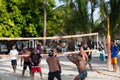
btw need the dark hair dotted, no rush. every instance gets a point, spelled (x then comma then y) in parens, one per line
(80, 55)
(112, 41)
(50, 53)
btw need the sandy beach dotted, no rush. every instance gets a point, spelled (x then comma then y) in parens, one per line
(69, 70)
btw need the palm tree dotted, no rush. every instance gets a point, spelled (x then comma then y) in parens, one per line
(110, 9)
(115, 18)
(44, 24)
(94, 5)
(76, 16)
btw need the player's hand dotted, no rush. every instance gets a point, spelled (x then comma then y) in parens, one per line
(32, 63)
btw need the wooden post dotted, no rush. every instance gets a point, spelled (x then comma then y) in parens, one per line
(108, 44)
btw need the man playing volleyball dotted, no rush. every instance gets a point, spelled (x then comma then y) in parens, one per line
(54, 66)
(80, 63)
(35, 59)
(26, 61)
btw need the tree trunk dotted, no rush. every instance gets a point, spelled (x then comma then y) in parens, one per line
(44, 44)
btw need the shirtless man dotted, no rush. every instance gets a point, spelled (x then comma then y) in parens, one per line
(26, 61)
(85, 57)
(80, 63)
(54, 66)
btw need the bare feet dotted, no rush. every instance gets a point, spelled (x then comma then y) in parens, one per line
(14, 71)
(42, 79)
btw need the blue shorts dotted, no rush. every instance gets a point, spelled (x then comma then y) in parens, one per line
(13, 62)
(82, 75)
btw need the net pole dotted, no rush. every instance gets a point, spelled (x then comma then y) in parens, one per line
(97, 40)
(108, 44)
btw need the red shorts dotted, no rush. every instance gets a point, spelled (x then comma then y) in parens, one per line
(35, 69)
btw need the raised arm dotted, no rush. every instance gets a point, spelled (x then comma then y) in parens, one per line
(72, 59)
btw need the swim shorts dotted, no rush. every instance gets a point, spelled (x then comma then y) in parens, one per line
(35, 69)
(56, 74)
(27, 64)
(13, 62)
(83, 75)
(114, 60)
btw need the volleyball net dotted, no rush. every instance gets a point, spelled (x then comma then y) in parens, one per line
(63, 44)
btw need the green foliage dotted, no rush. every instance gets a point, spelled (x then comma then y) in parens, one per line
(24, 18)
(75, 16)
(110, 9)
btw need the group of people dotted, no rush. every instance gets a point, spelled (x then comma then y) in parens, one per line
(32, 59)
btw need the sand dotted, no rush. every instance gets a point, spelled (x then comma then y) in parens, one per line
(69, 70)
